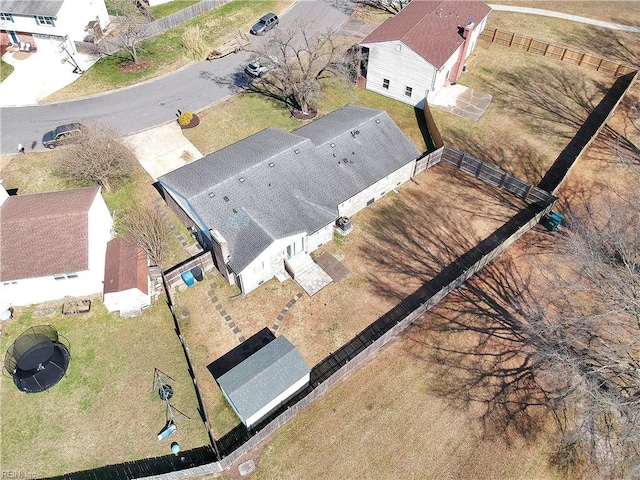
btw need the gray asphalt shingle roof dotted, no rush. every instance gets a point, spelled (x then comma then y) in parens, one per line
(47, 8)
(276, 184)
(263, 376)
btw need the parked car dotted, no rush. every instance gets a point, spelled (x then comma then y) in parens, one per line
(63, 134)
(260, 67)
(266, 23)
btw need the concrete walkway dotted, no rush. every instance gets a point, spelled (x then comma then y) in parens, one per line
(566, 16)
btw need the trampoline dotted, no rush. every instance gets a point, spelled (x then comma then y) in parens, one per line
(37, 360)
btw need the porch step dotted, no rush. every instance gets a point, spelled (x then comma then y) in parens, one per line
(308, 273)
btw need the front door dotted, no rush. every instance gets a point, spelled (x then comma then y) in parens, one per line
(295, 248)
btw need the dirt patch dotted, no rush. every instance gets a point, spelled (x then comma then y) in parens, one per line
(132, 67)
(312, 113)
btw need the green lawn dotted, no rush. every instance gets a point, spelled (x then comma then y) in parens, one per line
(165, 53)
(104, 411)
(166, 9)
(247, 113)
(5, 70)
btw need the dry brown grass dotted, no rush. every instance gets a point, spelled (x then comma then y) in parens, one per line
(538, 105)
(616, 46)
(624, 12)
(416, 242)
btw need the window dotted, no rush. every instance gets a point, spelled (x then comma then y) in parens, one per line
(6, 17)
(385, 83)
(408, 91)
(42, 20)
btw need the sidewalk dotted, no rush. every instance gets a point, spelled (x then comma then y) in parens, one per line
(566, 16)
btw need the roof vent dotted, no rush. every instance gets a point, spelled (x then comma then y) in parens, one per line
(344, 160)
(377, 120)
(211, 194)
(225, 198)
(241, 179)
(235, 211)
(296, 151)
(271, 164)
(332, 145)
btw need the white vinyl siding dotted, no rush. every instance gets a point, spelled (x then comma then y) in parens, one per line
(401, 68)
(376, 191)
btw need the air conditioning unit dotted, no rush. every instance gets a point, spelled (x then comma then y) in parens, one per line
(344, 226)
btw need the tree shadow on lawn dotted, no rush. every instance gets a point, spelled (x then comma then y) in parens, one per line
(484, 352)
(420, 232)
(551, 99)
(610, 45)
(239, 81)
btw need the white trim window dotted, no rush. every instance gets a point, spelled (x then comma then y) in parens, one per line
(6, 17)
(42, 20)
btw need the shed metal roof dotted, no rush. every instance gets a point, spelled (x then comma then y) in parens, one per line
(263, 377)
(275, 184)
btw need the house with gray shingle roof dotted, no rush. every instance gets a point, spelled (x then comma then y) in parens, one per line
(260, 384)
(52, 245)
(410, 56)
(276, 195)
(50, 21)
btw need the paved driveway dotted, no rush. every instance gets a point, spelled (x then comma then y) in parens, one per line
(162, 149)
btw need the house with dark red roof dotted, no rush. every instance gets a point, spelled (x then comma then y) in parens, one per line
(410, 56)
(127, 287)
(52, 245)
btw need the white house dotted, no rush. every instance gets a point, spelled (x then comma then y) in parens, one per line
(264, 381)
(32, 21)
(126, 278)
(410, 56)
(276, 195)
(52, 245)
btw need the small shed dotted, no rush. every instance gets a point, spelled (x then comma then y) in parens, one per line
(126, 278)
(264, 381)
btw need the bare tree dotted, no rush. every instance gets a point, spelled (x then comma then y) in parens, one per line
(297, 60)
(132, 23)
(98, 157)
(389, 6)
(555, 335)
(149, 229)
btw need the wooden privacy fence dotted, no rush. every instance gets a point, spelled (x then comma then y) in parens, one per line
(204, 260)
(565, 54)
(165, 23)
(428, 161)
(495, 176)
(110, 45)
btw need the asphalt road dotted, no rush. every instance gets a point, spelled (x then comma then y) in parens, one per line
(156, 102)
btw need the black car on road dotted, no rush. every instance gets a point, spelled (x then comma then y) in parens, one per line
(63, 134)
